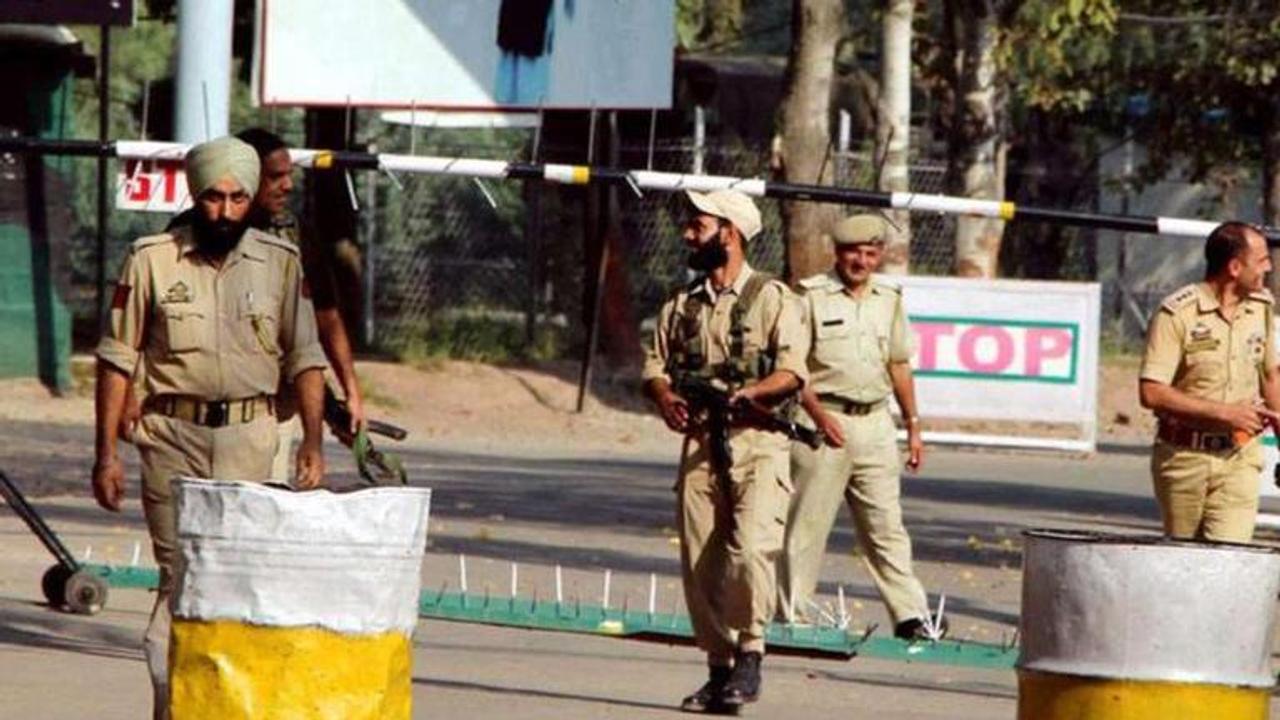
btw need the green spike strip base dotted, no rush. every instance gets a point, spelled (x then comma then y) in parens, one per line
(592, 619)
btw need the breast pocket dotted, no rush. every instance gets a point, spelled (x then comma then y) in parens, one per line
(1204, 369)
(186, 329)
(258, 323)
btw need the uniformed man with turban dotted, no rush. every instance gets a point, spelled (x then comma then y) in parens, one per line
(214, 312)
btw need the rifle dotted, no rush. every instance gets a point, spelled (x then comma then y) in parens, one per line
(704, 394)
(376, 467)
(338, 418)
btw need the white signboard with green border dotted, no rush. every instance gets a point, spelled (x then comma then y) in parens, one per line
(1006, 350)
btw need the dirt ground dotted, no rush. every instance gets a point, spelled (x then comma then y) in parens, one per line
(531, 409)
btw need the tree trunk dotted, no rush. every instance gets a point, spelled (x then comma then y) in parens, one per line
(1271, 181)
(977, 142)
(805, 132)
(893, 127)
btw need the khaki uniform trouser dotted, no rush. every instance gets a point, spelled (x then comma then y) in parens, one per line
(1207, 495)
(170, 447)
(289, 431)
(731, 532)
(866, 472)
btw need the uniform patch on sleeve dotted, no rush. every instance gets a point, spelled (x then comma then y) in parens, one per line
(121, 296)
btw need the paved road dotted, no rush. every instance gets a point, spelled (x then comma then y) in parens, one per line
(965, 512)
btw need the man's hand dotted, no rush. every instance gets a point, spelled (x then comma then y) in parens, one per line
(108, 483)
(310, 460)
(830, 429)
(1247, 418)
(915, 447)
(674, 409)
(355, 406)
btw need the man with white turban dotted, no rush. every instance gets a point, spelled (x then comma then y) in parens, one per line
(214, 312)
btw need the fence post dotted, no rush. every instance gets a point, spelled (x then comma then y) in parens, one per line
(370, 263)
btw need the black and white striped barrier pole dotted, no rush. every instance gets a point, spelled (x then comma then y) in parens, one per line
(639, 180)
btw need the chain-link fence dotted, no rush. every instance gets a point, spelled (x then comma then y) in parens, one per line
(476, 268)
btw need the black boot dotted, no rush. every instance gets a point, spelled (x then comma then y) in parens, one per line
(744, 683)
(707, 698)
(913, 630)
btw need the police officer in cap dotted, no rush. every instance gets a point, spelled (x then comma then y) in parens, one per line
(859, 355)
(739, 329)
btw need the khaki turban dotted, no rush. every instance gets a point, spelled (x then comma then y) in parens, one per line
(226, 157)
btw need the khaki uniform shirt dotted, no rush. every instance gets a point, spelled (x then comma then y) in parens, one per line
(773, 322)
(216, 333)
(1194, 348)
(854, 339)
(317, 262)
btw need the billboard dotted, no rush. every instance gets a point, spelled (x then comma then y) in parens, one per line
(475, 55)
(1005, 350)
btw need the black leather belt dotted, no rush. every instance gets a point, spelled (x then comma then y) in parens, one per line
(849, 407)
(1203, 440)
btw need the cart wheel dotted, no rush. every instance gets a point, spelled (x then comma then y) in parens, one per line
(86, 593)
(54, 584)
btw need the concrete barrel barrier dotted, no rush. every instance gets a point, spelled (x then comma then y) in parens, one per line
(295, 604)
(1143, 628)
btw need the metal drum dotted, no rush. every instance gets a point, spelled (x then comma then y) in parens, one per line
(1140, 627)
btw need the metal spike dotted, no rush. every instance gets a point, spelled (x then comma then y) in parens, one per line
(462, 573)
(559, 586)
(604, 600)
(933, 625)
(844, 613)
(653, 594)
(137, 553)
(515, 578)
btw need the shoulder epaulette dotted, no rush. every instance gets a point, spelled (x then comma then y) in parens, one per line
(816, 281)
(1263, 296)
(152, 240)
(268, 239)
(1180, 298)
(885, 283)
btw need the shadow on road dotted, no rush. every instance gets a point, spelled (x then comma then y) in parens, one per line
(23, 624)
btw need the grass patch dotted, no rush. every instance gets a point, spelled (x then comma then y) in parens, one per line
(478, 338)
(374, 396)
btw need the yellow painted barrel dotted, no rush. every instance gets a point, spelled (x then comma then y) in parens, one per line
(1138, 628)
(295, 605)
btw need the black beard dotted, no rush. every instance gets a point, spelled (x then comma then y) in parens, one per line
(216, 238)
(709, 257)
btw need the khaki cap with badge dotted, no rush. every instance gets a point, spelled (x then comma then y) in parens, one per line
(859, 230)
(730, 205)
